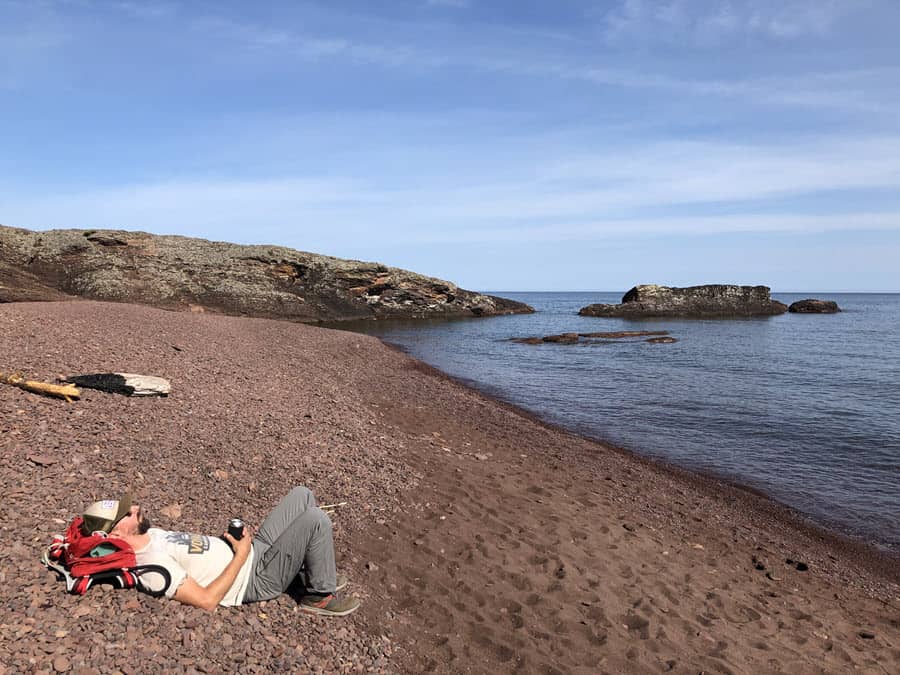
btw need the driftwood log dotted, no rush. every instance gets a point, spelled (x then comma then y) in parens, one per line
(66, 391)
(332, 507)
(129, 384)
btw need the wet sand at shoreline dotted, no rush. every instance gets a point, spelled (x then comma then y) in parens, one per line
(478, 538)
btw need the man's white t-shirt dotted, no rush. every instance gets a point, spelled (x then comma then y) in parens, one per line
(191, 555)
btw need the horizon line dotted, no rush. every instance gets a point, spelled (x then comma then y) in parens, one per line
(894, 292)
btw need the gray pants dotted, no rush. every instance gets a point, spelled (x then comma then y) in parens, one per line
(295, 539)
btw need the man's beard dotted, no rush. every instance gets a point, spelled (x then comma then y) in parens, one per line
(144, 524)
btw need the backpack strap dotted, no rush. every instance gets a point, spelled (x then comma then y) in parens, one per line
(126, 577)
(50, 559)
(152, 569)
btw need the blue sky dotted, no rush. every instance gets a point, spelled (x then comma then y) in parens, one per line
(508, 145)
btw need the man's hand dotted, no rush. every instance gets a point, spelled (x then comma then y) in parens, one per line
(241, 547)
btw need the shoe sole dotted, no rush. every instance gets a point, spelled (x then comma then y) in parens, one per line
(326, 612)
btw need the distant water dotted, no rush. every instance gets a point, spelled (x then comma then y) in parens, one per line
(805, 408)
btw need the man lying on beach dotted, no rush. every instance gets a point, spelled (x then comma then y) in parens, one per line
(294, 541)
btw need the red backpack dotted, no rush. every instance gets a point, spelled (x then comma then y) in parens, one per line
(86, 559)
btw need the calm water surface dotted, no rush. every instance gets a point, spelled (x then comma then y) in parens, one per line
(805, 408)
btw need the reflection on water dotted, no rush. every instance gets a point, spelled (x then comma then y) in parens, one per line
(803, 407)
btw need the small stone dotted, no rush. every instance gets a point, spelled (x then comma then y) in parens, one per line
(866, 635)
(372, 567)
(61, 664)
(172, 511)
(42, 460)
(480, 456)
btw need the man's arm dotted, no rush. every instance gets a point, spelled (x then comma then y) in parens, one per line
(208, 597)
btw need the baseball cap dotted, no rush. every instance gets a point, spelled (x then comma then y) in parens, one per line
(102, 516)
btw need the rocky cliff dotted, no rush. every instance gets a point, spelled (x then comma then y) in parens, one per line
(693, 302)
(194, 274)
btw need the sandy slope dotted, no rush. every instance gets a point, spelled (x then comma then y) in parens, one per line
(479, 539)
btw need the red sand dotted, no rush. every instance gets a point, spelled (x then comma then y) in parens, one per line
(479, 539)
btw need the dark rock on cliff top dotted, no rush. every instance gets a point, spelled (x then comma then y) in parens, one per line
(691, 302)
(813, 306)
(184, 273)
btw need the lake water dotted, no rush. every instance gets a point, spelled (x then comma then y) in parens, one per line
(805, 408)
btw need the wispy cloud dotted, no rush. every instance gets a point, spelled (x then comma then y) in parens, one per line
(408, 48)
(284, 43)
(575, 195)
(784, 223)
(454, 4)
(848, 89)
(710, 22)
(145, 9)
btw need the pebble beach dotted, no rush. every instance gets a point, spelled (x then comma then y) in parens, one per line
(478, 538)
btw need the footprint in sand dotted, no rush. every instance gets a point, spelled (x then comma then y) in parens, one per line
(638, 624)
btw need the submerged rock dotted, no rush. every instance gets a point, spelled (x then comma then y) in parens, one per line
(528, 340)
(196, 275)
(814, 306)
(715, 300)
(573, 338)
(624, 334)
(563, 338)
(661, 340)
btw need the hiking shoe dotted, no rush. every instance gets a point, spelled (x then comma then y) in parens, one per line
(328, 605)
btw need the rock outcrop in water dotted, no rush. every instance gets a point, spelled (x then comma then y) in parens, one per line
(576, 338)
(715, 300)
(175, 272)
(814, 306)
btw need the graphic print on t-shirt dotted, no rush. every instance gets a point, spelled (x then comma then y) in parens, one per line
(195, 543)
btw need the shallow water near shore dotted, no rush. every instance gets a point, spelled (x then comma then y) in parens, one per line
(801, 407)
